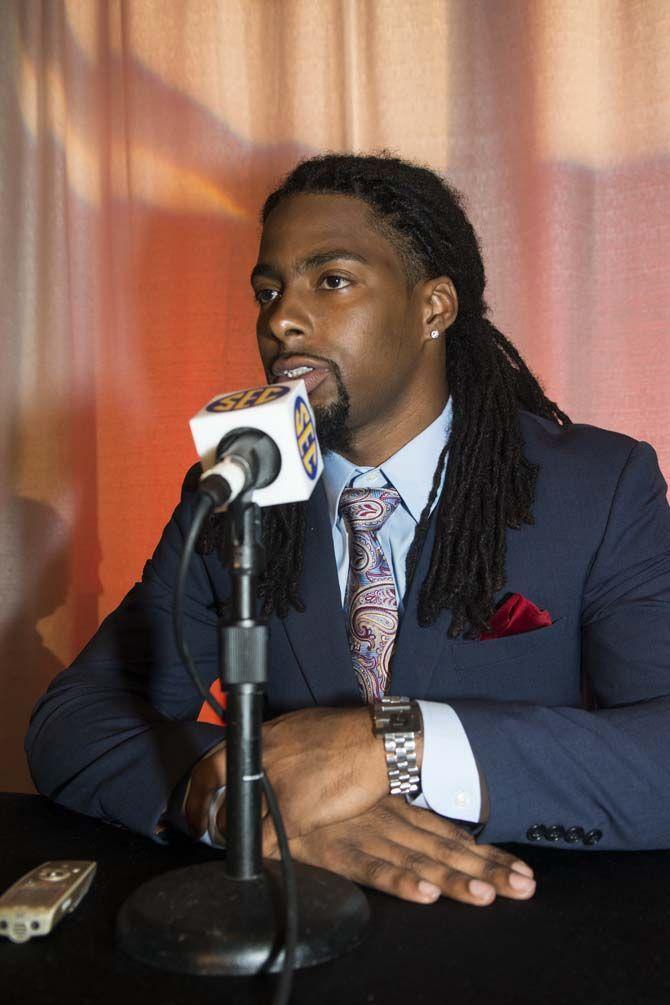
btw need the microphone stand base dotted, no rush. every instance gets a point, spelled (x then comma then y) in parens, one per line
(198, 920)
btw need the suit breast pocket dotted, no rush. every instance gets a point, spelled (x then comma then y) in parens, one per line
(493, 652)
(541, 667)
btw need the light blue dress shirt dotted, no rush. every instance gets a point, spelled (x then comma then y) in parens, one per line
(449, 775)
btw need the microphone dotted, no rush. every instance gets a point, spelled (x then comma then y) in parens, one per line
(259, 444)
(261, 441)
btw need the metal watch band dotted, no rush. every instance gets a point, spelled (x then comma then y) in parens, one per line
(404, 776)
(398, 720)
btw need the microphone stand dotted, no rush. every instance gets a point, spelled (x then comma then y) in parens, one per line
(228, 919)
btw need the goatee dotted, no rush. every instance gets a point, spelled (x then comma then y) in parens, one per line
(331, 421)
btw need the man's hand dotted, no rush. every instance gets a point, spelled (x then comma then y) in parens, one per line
(325, 765)
(413, 854)
(329, 773)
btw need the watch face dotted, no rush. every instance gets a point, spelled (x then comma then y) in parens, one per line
(403, 719)
(398, 722)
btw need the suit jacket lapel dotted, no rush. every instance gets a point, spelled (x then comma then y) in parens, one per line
(418, 649)
(318, 636)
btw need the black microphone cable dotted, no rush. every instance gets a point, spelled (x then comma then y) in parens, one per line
(206, 504)
(285, 981)
(214, 491)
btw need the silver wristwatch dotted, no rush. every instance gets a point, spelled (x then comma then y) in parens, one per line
(399, 722)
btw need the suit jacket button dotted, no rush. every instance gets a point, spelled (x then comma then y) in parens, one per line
(574, 834)
(592, 837)
(535, 833)
(554, 833)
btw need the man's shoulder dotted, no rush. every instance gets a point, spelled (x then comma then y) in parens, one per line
(579, 445)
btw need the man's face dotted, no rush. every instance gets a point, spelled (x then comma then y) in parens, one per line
(333, 297)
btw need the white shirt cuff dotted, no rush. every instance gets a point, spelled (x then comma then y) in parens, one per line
(449, 775)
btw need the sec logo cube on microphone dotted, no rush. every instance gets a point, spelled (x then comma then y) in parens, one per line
(284, 413)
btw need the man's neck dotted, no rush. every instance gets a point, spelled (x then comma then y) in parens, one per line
(373, 445)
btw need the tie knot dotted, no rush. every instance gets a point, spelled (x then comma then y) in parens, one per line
(368, 509)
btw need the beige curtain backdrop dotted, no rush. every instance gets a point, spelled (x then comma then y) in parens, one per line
(138, 140)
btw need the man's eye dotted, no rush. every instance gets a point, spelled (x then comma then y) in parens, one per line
(264, 297)
(334, 282)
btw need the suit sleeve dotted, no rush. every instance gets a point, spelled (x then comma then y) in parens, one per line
(114, 733)
(606, 769)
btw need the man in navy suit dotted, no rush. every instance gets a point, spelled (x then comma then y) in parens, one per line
(474, 568)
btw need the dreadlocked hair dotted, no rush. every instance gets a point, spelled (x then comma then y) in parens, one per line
(489, 485)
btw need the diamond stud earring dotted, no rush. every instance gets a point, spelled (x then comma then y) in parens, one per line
(435, 333)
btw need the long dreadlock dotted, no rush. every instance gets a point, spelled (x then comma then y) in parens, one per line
(489, 484)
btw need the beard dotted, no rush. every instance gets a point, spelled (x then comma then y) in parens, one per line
(332, 420)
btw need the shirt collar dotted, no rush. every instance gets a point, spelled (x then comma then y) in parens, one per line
(410, 470)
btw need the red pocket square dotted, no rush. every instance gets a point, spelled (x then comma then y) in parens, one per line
(515, 616)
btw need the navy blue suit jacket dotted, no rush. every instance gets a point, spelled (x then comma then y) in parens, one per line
(116, 732)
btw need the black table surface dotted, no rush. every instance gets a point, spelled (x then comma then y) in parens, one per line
(596, 931)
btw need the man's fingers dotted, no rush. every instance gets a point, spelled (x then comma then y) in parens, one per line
(382, 849)
(486, 863)
(382, 872)
(364, 868)
(436, 858)
(456, 871)
(439, 857)
(389, 878)
(426, 879)
(455, 838)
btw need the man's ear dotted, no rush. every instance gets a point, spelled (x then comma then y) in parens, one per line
(440, 304)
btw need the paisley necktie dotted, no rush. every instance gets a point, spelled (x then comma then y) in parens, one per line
(370, 602)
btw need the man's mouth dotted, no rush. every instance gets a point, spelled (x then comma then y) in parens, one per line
(312, 375)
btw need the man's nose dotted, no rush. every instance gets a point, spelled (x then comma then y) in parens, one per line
(289, 319)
